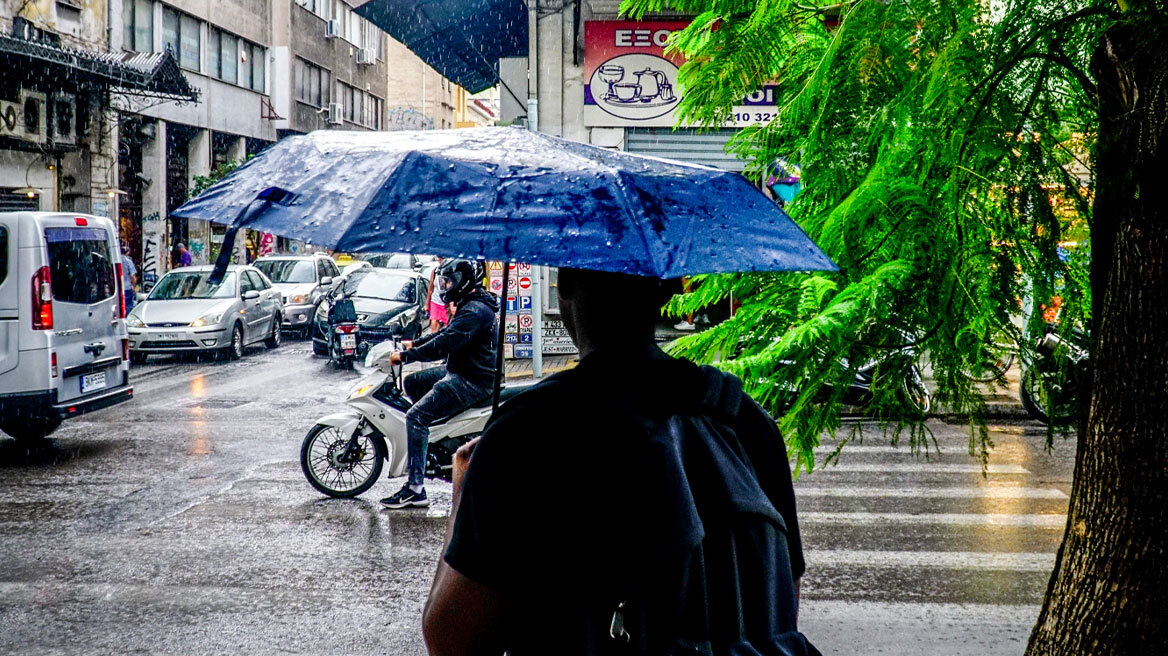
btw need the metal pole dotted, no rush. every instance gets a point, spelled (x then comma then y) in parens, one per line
(533, 125)
(499, 346)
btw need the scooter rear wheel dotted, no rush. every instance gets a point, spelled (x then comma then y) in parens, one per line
(321, 462)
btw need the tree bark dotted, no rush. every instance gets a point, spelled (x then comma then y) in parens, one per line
(1108, 594)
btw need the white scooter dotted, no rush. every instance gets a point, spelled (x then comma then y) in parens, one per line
(343, 454)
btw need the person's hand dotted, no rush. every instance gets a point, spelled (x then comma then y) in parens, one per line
(395, 357)
(461, 462)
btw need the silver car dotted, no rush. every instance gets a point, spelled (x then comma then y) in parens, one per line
(302, 279)
(185, 313)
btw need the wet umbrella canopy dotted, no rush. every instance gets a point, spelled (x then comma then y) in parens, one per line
(508, 194)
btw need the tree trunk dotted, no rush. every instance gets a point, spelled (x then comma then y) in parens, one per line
(1109, 590)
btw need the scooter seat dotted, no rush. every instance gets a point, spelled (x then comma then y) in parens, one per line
(507, 392)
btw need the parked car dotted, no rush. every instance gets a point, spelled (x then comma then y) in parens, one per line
(63, 342)
(302, 279)
(406, 261)
(389, 303)
(185, 313)
(355, 266)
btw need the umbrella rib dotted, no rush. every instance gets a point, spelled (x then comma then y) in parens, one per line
(657, 270)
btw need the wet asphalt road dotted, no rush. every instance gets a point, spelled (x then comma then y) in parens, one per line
(180, 523)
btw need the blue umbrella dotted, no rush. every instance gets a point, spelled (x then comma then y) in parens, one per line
(462, 39)
(508, 194)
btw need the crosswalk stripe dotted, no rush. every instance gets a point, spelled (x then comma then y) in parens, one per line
(994, 492)
(1053, 521)
(1011, 561)
(923, 467)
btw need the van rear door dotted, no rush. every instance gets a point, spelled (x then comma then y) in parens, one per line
(9, 300)
(86, 307)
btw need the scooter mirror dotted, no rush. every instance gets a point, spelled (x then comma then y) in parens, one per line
(378, 356)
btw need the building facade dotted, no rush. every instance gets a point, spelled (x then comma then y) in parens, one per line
(419, 98)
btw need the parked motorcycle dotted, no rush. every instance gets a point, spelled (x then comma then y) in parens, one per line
(343, 331)
(1049, 389)
(912, 393)
(343, 454)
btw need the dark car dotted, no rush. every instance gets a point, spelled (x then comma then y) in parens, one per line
(389, 303)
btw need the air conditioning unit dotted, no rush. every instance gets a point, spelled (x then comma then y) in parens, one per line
(366, 56)
(334, 28)
(336, 114)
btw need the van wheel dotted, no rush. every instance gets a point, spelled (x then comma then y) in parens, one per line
(273, 340)
(30, 430)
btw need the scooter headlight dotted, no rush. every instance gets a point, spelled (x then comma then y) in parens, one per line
(360, 390)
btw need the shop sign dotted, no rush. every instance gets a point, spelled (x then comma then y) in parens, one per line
(629, 81)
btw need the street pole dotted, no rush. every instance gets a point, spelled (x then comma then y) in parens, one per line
(533, 125)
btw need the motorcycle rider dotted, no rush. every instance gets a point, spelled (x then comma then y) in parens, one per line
(468, 344)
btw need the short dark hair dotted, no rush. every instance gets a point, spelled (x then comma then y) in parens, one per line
(615, 306)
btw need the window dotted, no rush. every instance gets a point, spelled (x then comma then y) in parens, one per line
(138, 25)
(287, 271)
(322, 270)
(312, 83)
(374, 107)
(318, 7)
(3, 254)
(180, 34)
(247, 282)
(228, 57)
(80, 265)
(236, 60)
(259, 57)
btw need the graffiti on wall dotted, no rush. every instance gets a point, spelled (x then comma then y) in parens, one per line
(151, 247)
(267, 243)
(197, 250)
(406, 118)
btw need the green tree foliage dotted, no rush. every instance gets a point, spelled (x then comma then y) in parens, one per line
(939, 142)
(202, 182)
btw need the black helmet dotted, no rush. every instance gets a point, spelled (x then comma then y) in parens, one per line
(457, 280)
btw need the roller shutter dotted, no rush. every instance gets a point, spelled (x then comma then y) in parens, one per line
(706, 147)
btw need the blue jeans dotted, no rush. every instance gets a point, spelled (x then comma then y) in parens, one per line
(437, 395)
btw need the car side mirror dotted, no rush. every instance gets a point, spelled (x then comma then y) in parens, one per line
(326, 281)
(140, 296)
(250, 295)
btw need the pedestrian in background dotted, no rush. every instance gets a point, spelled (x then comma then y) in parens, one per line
(547, 571)
(439, 316)
(129, 281)
(182, 256)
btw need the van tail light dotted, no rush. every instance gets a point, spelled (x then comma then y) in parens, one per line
(125, 348)
(121, 291)
(42, 300)
(53, 363)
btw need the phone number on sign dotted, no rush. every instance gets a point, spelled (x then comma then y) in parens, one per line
(758, 117)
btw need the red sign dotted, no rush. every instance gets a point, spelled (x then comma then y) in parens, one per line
(525, 283)
(526, 321)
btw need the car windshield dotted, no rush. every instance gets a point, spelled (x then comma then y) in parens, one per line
(288, 270)
(191, 284)
(366, 283)
(395, 261)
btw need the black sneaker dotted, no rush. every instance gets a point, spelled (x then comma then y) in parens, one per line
(406, 498)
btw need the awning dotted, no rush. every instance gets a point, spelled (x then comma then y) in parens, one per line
(462, 39)
(151, 74)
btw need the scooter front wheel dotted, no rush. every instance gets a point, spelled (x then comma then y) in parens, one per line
(336, 470)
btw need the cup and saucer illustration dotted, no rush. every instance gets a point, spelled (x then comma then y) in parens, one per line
(635, 86)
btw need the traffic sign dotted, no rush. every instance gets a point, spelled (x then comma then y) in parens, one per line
(526, 320)
(511, 284)
(512, 305)
(523, 269)
(496, 285)
(524, 282)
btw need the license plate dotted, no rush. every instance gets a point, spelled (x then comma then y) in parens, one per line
(90, 382)
(168, 336)
(348, 341)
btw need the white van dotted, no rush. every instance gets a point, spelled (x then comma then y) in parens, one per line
(64, 350)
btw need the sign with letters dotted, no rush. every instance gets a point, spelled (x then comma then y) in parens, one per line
(630, 81)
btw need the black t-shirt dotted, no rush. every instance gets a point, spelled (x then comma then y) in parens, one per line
(553, 515)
